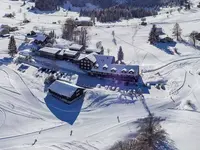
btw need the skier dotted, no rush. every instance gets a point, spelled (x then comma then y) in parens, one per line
(71, 133)
(34, 142)
(118, 119)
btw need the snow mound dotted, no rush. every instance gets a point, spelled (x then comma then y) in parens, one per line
(96, 98)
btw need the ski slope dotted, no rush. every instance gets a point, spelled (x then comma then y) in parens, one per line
(28, 113)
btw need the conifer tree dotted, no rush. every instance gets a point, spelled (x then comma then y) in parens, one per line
(177, 31)
(12, 47)
(102, 50)
(153, 37)
(193, 38)
(120, 54)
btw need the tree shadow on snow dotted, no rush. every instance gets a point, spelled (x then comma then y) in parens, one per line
(6, 60)
(65, 112)
(166, 47)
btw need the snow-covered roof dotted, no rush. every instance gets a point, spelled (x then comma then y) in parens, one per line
(70, 53)
(75, 47)
(50, 50)
(104, 59)
(40, 37)
(105, 66)
(91, 57)
(131, 71)
(63, 88)
(114, 69)
(90, 50)
(84, 19)
(25, 52)
(118, 69)
(124, 70)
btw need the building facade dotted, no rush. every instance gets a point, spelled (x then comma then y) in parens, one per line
(66, 92)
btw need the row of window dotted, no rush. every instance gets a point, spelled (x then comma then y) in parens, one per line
(82, 64)
(84, 67)
(85, 61)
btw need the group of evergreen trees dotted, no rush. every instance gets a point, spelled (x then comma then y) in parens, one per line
(154, 37)
(113, 14)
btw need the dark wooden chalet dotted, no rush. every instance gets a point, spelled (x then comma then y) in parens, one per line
(65, 91)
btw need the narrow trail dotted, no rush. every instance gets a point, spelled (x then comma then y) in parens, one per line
(172, 62)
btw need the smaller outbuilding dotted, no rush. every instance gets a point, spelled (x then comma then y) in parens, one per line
(48, 52)
(165, 39)
(41, 39)
(69, 54)
(65, 91)
(4, 32)
(76, 47)
(91, 50)
(83, 22)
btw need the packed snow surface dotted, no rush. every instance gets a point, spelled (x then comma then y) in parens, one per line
(28, 113)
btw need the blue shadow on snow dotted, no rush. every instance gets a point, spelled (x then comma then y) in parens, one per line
(65, 112)
(165, 47)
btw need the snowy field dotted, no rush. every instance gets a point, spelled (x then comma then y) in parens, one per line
(27, 113)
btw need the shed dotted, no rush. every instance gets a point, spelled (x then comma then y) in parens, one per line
(91, 50)
(49, 52)
(65, 91)
(76, 47)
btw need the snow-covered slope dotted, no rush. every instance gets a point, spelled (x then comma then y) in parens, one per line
(27, 113)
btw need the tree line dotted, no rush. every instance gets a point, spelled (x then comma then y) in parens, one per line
(116, 13)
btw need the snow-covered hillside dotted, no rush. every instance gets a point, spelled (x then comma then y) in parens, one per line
(27, 113)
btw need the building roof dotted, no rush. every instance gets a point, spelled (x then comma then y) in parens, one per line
(90, 50)
(63, 88)
(50, 50)
(40, 37)
(69, 52)
(75, 47)
(101, 60)
(116, 68)
(91, 57)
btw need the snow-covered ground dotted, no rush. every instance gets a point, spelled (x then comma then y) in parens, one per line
(28, 113)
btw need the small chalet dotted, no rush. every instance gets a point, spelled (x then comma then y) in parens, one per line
(83, 22)
(159, 31)
(86, 61)
(91, 50)
(165, 39)
(41, 39)
(4, 32)
(48, 52)
(76, 47)
(66, 92)
(69, 54)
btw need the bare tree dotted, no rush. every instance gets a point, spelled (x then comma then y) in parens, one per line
(108, 51)
(177, 31)
(84, 37)
(68, 29)
(193, 36)
(150, 136)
